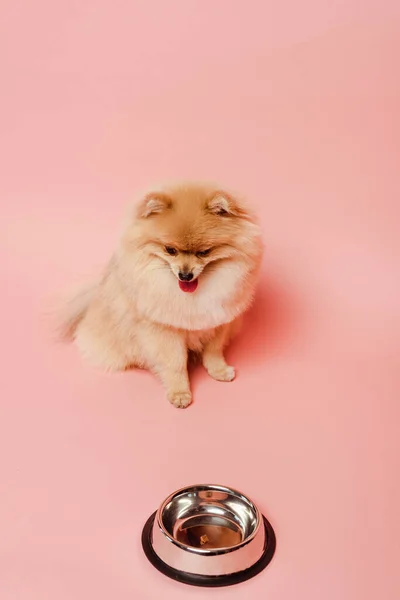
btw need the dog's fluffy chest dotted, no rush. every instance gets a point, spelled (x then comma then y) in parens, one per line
(196, 340)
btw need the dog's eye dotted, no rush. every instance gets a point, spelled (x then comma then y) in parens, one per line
(202, 253)
(171, 251)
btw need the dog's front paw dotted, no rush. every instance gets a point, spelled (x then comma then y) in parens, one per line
(180, 399)
(225, 373)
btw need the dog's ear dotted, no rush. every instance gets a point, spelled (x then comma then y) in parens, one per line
(224, 205)
(152, 204)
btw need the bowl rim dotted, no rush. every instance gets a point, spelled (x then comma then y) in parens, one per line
(214, 551)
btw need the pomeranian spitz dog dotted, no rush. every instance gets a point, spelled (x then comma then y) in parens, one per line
(179, 282)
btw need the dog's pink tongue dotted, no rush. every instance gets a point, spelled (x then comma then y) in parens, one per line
(188, 286)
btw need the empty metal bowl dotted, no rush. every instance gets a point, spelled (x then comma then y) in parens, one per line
(208, 535)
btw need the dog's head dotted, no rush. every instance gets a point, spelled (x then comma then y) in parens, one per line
(195, 239)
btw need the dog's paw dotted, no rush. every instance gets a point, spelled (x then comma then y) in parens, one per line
(225, 373)
(180, 399)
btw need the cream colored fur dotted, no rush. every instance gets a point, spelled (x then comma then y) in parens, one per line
(137, 315)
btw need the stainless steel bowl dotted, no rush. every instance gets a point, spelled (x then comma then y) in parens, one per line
(208, 535)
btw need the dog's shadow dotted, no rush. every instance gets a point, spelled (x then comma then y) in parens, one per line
(268, 328)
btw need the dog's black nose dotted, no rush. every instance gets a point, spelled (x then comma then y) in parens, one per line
(184, 276)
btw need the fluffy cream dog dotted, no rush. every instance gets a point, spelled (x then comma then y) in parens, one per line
(182, 276)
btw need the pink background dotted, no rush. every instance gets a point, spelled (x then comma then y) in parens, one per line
(297, 105)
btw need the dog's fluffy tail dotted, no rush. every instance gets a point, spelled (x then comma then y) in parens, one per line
(73, 310)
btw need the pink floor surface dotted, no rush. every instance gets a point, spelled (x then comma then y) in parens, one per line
(297, 105)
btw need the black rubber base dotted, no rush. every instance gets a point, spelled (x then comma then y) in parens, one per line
(209, 580)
